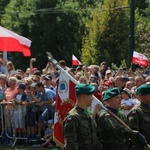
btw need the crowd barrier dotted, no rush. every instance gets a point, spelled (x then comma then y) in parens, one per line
(8, 129)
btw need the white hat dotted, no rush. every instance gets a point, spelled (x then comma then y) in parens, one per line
(108, 71)
(127, 91)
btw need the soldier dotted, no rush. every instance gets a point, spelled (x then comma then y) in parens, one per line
(79, 126)
(139, 116)
(112, 135)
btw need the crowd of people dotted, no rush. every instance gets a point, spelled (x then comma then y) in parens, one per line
(29, 100)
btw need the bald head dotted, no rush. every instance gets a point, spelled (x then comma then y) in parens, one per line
(139, 80)
(129, 84)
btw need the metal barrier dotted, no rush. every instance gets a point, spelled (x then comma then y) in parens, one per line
(1, 122)
(9, 119)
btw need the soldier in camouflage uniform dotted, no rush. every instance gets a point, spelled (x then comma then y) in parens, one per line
(112, 135)
(139, 116)
(79, 127)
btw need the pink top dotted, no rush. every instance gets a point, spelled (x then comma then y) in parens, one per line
(9, 95)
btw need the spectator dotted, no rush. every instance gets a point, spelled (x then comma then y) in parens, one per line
(48, 83)
(62, 64)
(27, 72)
(109, 83)
(139, 80)
(119, 82)
(147, 80)
(79, 69)
(97, 93)
(103, 68)
(20, 73)
(3, 85)
(83, 79)
(49, 68)
(20, 110)
(47, 105)
(36, 78)
(108, 74)
(10, 94)
(2, 68)
(135, 97)
(126, 101)
(129, 85)
(48, 135)
(10, 69)
(31, 110)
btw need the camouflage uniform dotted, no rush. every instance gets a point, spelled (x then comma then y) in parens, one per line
(139, 119)
(112, 135)
(80, 131)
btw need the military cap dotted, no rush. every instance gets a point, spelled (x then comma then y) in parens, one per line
(111, 93)
(143, 89)
(86, 89)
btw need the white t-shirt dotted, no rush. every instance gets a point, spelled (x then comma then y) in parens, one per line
(128, 102)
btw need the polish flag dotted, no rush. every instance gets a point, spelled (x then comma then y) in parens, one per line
(139, 59)
(75, 61)
(12, 42)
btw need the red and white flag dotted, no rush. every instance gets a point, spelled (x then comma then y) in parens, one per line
(12, 42)
(65, 102)
(139, 59)
(75, 61)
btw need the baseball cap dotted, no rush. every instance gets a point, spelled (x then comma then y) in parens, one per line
(22, 86)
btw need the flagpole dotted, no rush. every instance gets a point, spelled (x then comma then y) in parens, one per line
(50, 58)
(131, 34)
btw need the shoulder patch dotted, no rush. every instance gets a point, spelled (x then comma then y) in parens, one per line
(107, 115)
(134, 112)
(69, 118)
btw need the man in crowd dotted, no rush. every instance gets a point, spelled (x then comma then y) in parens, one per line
(47, 100)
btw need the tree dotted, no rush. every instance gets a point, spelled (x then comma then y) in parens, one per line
(107, 34)
(48, 26)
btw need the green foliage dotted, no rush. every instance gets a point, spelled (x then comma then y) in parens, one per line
(142, 5)
(142, 30)
(106, 34)
(95, 30)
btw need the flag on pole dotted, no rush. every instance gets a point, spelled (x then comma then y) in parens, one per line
(75, 61)
(12, 42)
(65, 102)
(139, 59)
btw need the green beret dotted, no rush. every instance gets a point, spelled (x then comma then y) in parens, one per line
(110, 93)
(86, 89)
(143, 89)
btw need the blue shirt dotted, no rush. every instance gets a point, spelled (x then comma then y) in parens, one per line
(2, 70)
(47, 95)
